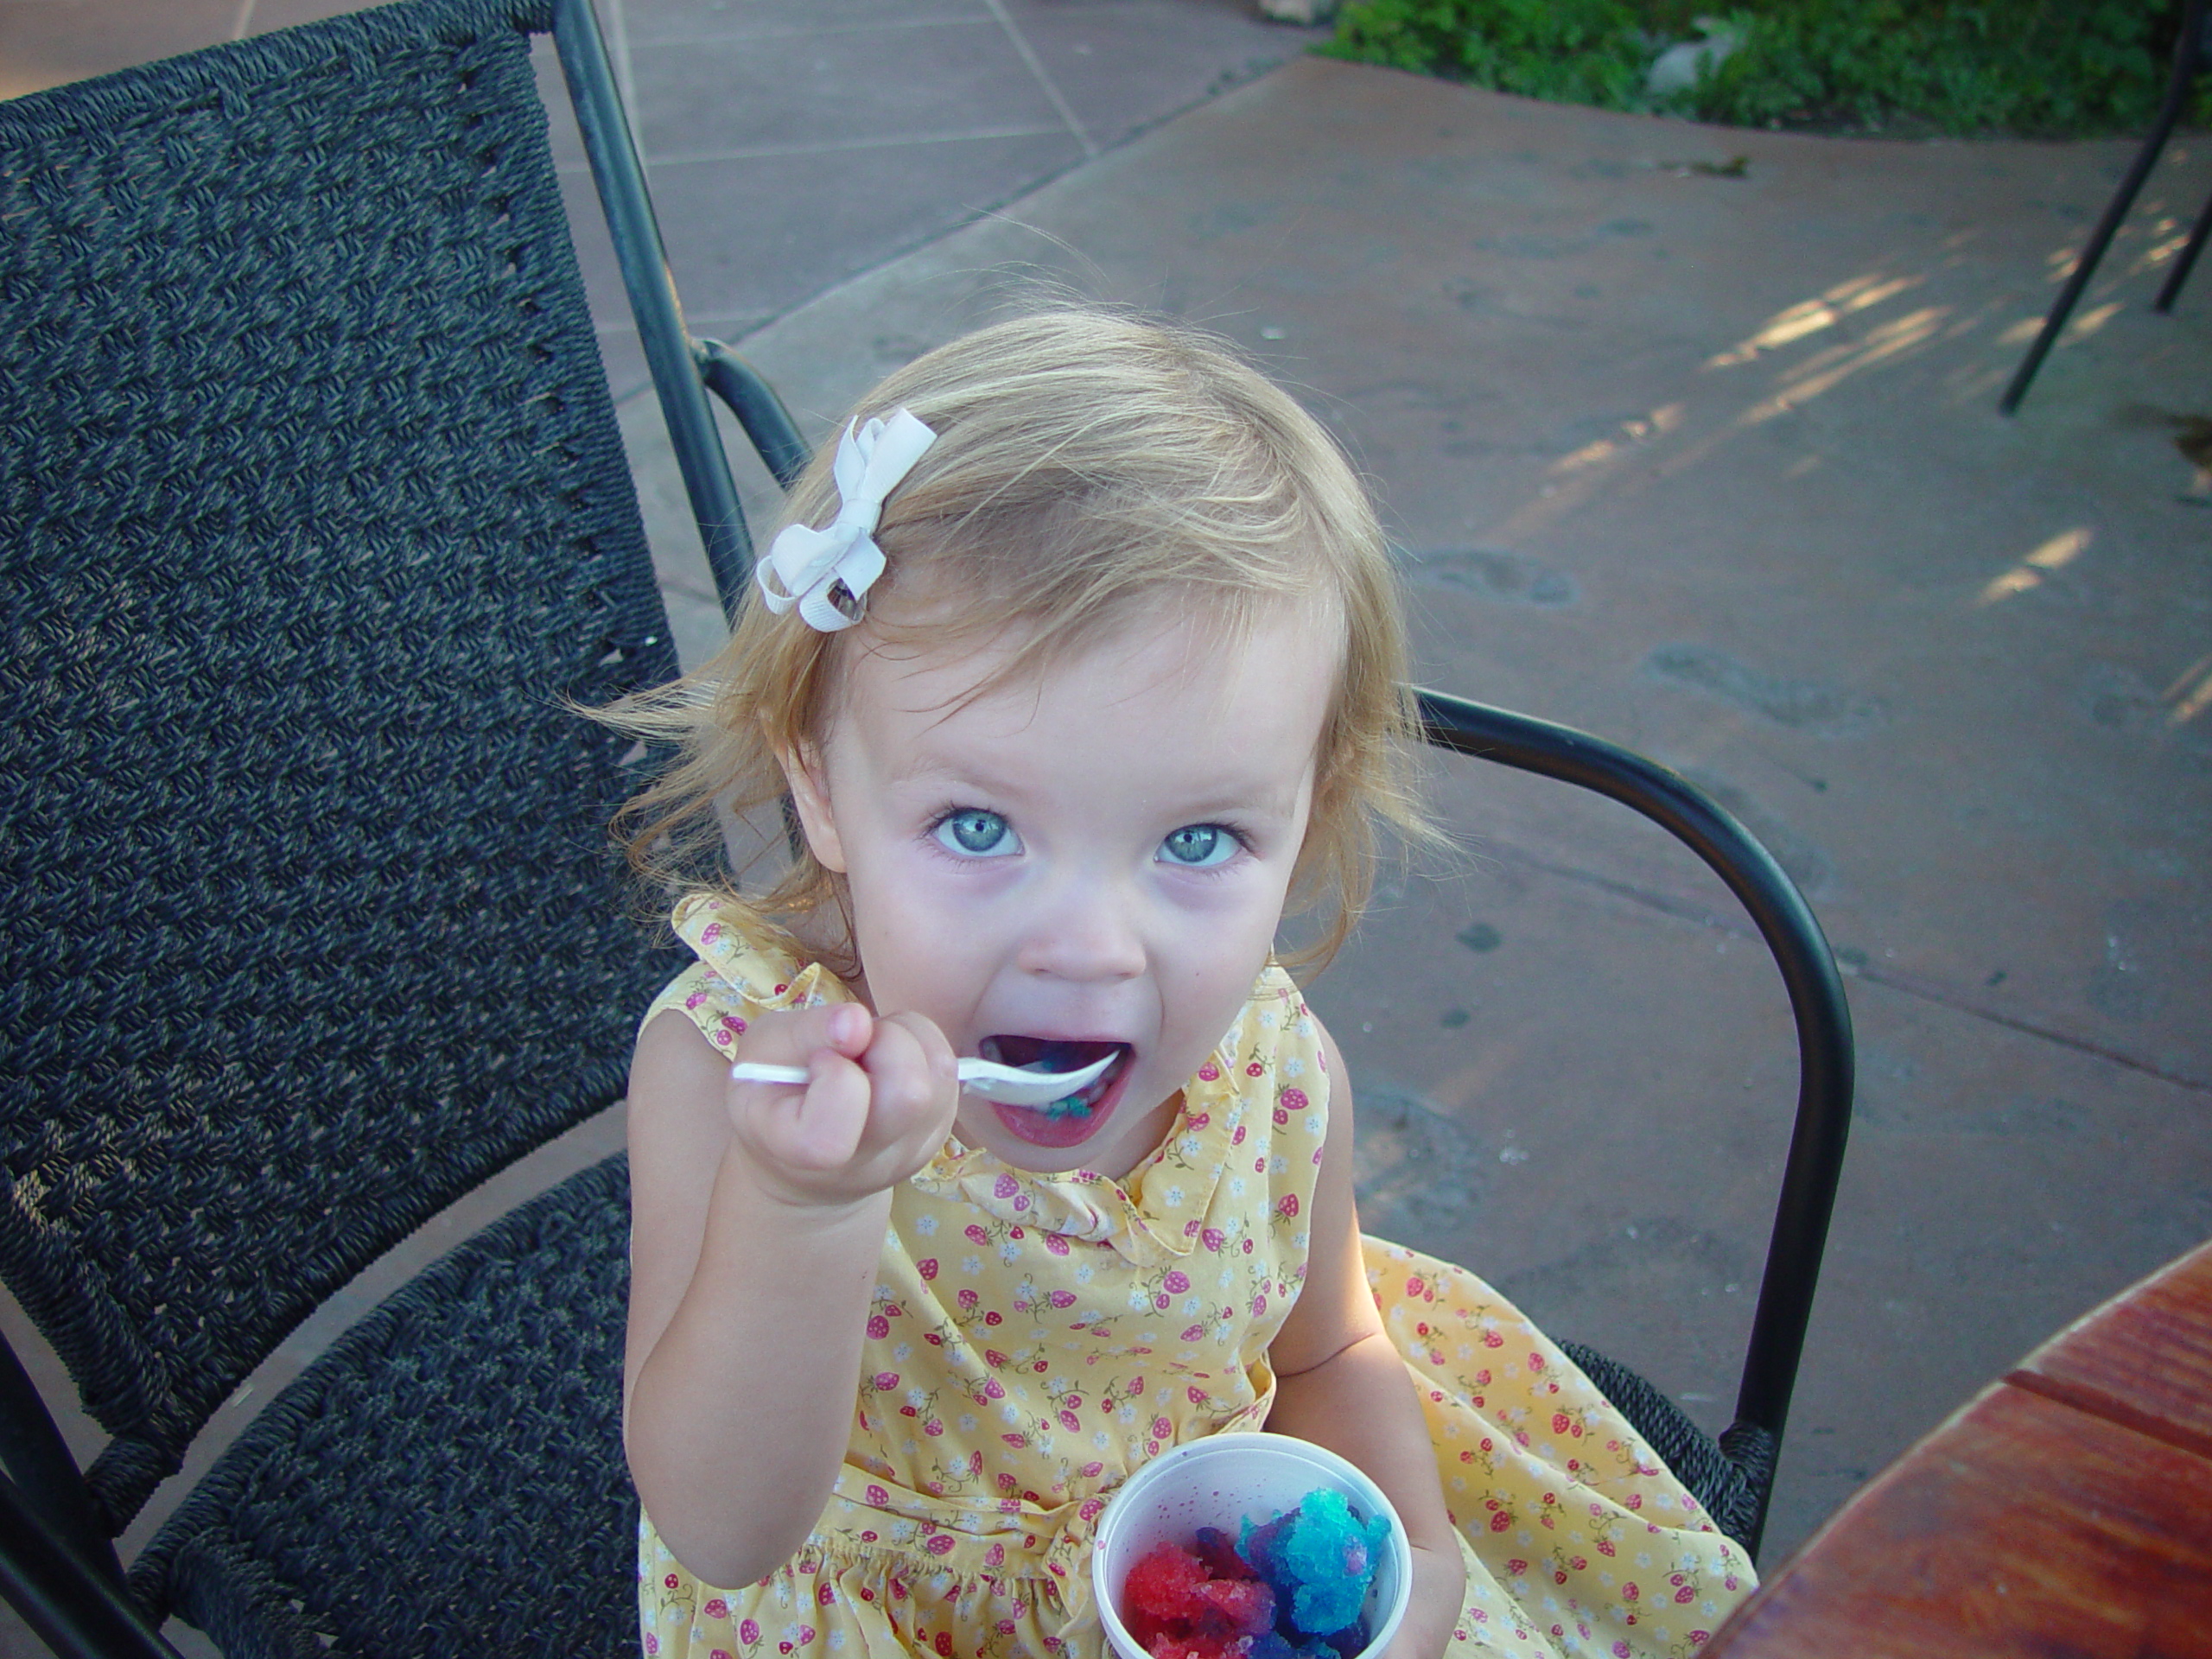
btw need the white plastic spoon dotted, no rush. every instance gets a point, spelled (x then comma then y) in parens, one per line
(1010, 1085)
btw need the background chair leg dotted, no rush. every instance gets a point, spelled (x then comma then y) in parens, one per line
(2180, 273)
(72, 1604)
(2188, 56)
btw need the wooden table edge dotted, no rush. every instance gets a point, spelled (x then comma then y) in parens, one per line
(2027, 1378)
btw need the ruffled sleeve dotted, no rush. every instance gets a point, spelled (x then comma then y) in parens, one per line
(747, 967)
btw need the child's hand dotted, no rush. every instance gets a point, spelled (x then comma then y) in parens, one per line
(878, 1103)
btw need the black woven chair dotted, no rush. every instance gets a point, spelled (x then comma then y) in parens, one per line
(311, 513)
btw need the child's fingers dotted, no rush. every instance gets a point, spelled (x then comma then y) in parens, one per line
(877, 1100)
(793, 1037)
(820, 1128)
(805, 1138)
(915, 1084)
(812, 1128)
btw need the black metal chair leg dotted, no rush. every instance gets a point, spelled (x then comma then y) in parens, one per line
(2189, 57)
(2180, 273)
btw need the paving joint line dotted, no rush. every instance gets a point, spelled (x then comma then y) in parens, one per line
(768, 152)
(1037, 68)
(1905, 984)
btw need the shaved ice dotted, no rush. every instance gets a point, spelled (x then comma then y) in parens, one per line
(1290, 1587)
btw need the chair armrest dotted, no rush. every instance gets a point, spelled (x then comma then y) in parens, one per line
(1825, 1063)
(775, 436)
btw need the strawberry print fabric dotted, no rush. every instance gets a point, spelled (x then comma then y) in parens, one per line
(1034, 1339)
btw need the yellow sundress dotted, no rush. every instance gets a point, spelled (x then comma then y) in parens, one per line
(1034, 1339)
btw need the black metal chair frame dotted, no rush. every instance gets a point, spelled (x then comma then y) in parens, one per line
(1825, 1061)
(2192, 53)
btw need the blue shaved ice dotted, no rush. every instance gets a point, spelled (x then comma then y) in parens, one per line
(1320, 1559)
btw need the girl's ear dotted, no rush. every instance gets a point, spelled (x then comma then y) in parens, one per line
(809, 782)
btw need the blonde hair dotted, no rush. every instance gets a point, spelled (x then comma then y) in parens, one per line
(1089, 469)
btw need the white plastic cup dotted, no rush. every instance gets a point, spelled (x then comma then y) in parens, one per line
(1221, 1482)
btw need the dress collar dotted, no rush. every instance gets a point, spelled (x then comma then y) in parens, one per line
(1154, 1213)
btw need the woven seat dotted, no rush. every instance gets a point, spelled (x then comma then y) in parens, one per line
(466, 1484)
(1730, 1478)
(313, 514)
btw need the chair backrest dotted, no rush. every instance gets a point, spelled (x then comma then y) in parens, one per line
(312, 514)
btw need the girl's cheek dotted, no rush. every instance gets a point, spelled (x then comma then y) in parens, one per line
(934, 869)
(1250, 895)
(1233, 885)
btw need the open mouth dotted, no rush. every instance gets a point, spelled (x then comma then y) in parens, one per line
(1061, 1121)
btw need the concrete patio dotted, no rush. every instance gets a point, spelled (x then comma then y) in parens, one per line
(1709, 465)
(1697, 455)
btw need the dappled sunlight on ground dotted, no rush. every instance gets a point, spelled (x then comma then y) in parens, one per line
(2191, 694)
(1809, 316)
(1874, 322)
(1831, 367)
(2055, 553)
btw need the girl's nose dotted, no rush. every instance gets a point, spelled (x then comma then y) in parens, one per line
(1088, 935)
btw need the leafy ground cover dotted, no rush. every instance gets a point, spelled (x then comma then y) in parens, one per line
(2045, 68)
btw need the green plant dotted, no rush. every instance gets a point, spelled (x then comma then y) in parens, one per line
(1569, 51)
(1960, 66)
(2046, 66)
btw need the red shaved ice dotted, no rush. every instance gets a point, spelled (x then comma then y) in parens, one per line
(1162, 1581)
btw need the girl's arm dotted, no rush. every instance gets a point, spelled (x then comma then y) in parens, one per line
(1341, 1383)
(758, 1214)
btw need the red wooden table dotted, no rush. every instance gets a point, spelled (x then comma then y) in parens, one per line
(2066, 1511)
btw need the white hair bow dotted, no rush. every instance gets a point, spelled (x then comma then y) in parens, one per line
(827, 573)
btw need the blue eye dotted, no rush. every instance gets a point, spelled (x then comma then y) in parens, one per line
(1199, 846)
(974, 833)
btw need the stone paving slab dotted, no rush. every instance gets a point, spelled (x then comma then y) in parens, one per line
(791, 146)
(1704, 460)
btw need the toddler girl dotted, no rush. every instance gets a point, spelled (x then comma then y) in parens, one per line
(1091, 675)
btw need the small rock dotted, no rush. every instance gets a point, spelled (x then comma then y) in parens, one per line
(1677, 68)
